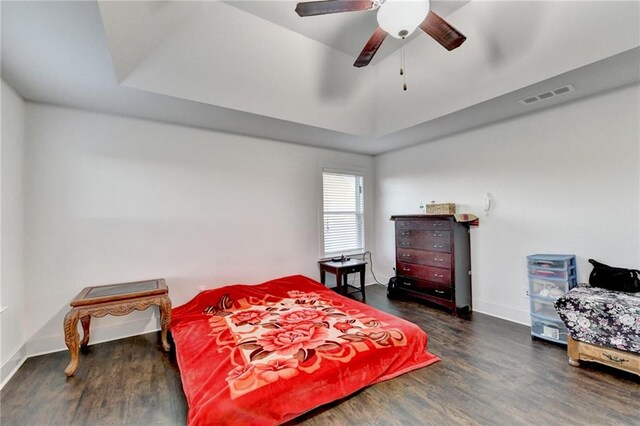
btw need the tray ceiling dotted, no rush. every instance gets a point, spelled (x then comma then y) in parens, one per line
(251, 67)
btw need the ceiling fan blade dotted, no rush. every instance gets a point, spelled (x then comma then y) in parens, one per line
(313, 8)
(442, 32)
(370, 48)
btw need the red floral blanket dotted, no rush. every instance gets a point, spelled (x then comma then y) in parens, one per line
(264, 354)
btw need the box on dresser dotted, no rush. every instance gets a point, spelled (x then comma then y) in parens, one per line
(433, 260)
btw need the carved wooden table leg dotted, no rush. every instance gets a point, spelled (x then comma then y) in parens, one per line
(86, 322)
(165, 320)
(71, 337)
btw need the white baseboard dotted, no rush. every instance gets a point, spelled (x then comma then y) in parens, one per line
(383, 279)
(12, 365)
(106, 333)
(503, 312)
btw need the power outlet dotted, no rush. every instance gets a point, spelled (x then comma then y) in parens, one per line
(526, 293)
(423, 207)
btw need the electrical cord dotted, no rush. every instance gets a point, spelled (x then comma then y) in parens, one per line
(370, 265)
(364, 255)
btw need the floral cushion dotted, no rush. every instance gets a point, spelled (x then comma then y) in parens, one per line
(602, 317)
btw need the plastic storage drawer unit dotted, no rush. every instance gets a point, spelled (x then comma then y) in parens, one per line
(550, 277)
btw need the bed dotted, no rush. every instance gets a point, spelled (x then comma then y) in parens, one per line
(266, 353)
(603, 326)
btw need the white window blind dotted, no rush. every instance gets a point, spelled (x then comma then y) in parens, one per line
(343, 213)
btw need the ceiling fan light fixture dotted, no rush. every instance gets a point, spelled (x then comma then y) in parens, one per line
(400, 18)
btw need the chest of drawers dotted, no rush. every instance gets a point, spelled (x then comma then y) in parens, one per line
(433, 260)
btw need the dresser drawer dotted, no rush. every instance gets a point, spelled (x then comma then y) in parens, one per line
(557, 274)
(435, 290)
(544, 308)
(550, 329)
(429, 258)
(435, 275)
(432, 224)
(424, 240)
(551, 262)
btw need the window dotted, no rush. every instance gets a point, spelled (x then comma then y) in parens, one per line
(343, 213)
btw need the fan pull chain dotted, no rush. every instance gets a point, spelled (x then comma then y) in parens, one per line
(402, 70)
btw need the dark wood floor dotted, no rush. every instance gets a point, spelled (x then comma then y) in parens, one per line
(491, 373)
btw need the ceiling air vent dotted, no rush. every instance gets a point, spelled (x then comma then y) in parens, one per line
(547, 95)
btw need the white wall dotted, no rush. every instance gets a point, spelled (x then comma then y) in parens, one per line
(564, 180)
(112, 199)
(12, 351)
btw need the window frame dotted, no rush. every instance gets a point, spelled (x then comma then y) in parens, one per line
(352, 171)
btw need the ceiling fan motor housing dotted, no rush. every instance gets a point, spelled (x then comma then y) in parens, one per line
(400, 18)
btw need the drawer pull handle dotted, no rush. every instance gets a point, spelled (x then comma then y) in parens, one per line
(437, 224)
(438, 275)
(437, 234)
(439, 291)
(406, 283)
(406, 233)
(406, 255)
(614, 358)
(438, 246)
(438, 260)
(406, 244)
(406, 269)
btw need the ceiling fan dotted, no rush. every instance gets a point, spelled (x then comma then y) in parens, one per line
(399, 18)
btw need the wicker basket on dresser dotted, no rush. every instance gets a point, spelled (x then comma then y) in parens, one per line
(433, 260)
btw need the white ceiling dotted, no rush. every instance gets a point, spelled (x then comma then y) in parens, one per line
(255, 69)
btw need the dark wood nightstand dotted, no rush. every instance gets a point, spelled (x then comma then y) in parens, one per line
(341, 270)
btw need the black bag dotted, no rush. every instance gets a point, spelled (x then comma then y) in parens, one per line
(612, 278)
(392, 288)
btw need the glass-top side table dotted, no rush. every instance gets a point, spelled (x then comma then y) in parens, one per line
(113, 299)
